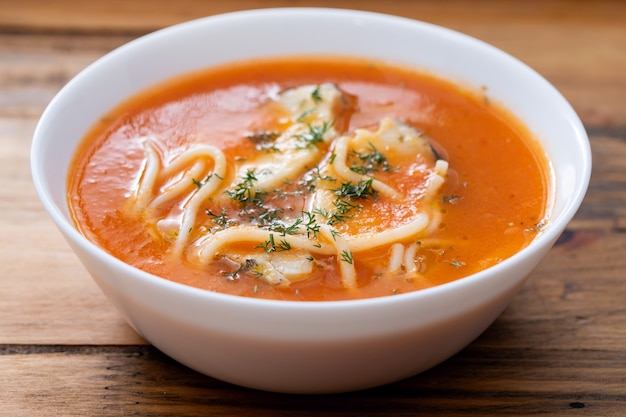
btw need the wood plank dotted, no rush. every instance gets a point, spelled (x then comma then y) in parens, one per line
(527, 30)
(33, 68)
(138, 380)
(606, 198)
(143, 15)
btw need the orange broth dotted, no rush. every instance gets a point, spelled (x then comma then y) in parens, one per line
(493, 202)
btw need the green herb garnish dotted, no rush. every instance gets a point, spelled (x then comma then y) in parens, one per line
(310, 223)
(373, 161)
(314, 134)
(316, 94)
(361, 190)
(270, 245)
(221, 219)
(346, 256)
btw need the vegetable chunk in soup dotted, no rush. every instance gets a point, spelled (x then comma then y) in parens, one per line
(309, 178)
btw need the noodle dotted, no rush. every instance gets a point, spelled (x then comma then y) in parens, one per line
(153, 173)
(199, 173)
(345, 257)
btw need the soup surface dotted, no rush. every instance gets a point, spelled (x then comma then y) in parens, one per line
(309, 178)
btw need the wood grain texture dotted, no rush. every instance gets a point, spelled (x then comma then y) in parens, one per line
(559, 349)
(576, 45)
(138, 380)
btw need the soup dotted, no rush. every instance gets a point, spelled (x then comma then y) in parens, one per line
(309, 178)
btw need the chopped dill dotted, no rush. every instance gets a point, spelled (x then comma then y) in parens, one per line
(200, 183)
(367, 163)
(314, 134)
(270, 245)
(233, 275)
(290, 230)
(268, 218)
(346, 256)
(284, 245)
(221, 219)
(321, 211)
(343, 211)
(318, 175)
(304, 115)
(316, 94)
(279, 226)
(309, 180)
(310, 223)
(361, 190)
(244, 191)
(455, 263)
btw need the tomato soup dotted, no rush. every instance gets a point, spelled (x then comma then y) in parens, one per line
(310, 178)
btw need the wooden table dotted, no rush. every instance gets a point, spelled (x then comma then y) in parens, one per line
(559, 349)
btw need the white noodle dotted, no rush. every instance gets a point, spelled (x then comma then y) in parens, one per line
(149, 175)
(345, 256)
(437, 179)
(205, 183)
(395, 258)
(208, 188)
(180, 186)
(434, 223)
(359, 243)
(409, 258)
(208, 247)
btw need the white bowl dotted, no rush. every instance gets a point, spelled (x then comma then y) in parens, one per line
(309, 347)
